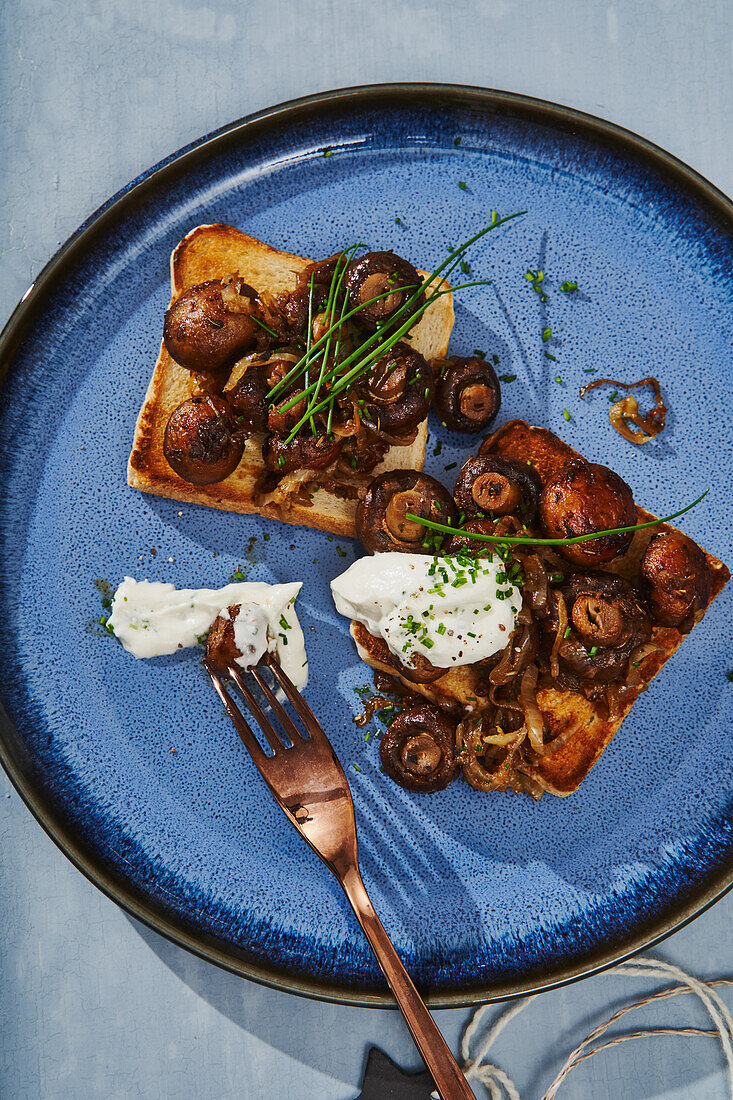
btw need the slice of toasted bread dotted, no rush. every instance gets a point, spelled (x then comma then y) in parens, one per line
(215, 252)
(560, 772)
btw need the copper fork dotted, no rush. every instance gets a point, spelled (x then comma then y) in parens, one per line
(310, 786)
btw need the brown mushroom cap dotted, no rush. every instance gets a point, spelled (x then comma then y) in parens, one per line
(584, 497)
(202, 442)
(483, 525)
(220, 645)
(305, 452)
(676, 578)
(374, 274)
(607, 622)
(210, 325)
(293, 308)
(248, 398)
(467, 394)
(501, 486)
(381, 522)
(418, 749)
(397, 391)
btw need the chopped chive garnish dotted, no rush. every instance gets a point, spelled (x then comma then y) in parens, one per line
(327, 152)
(507, 377)
(462, 184)
(568, 287)
(548, 355)
(546, 334)
(566, 414)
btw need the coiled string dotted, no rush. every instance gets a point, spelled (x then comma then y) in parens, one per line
(500, 1086)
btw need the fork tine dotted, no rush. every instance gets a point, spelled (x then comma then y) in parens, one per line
(299, 704)
(259, 715)
(283, 717)
(240, 723)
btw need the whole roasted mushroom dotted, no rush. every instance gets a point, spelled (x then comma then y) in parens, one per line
(304, 452)
(501, 486)
(676, 578)
(606, 623)
(418, 749)
(202, 441)
(584, 497)
(210, 326)
(375, 274)
(381, 517)
(397, 391)
(467, 394)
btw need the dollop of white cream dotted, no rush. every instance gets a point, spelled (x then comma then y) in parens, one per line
(450, 613)
(152, 619)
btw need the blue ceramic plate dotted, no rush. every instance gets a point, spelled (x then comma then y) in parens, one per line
(133, 768)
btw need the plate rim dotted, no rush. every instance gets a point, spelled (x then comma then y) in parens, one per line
(174, 165)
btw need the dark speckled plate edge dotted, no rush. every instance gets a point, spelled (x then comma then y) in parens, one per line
(717, 205)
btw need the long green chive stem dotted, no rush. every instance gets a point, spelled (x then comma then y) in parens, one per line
(298, 367)
(345, 381)
(389, 342)
(453, 257)
(512, 539)
(333, 299)
(309, 340)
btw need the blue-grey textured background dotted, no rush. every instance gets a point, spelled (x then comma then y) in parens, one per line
(93, 1005)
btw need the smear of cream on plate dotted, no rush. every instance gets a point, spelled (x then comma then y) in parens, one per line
(151, 619)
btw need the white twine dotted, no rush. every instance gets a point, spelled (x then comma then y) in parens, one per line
(500, 1086)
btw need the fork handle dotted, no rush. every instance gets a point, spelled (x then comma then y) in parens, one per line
(436, 1053)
